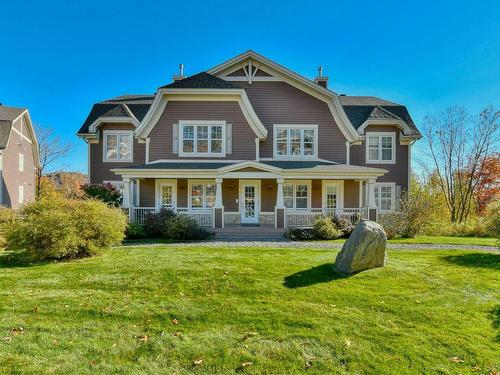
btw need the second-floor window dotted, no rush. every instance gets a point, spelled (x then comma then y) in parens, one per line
(202, 138)
(118, 146)
(295, 141)
(380, 148)
(21, 162)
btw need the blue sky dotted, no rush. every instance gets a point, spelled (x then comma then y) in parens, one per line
(58, 58)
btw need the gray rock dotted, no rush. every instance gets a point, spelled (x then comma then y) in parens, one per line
(364, 249)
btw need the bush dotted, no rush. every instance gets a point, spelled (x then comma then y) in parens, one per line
(7, 217)
(155, 221)
(324, 229)
(105, 192)
(58, 228)
(392, 224)
(135, 231)
(344, 225)
(182, 227)
(301, 234)
(492, 221)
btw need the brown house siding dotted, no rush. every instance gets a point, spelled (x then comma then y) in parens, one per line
(230, 193)
(269, 189)
(316, 194)
(12, 177)
(243, 144)
(398, 172)
(351, 194)
(281, 103)
(101, 171)
(182, 192)
(147, 192)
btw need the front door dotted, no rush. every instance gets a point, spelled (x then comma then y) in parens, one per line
(249, 202)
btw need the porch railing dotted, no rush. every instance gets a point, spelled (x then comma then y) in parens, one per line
(203, 217)
(301, 218)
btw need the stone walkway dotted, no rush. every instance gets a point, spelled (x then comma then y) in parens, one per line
(315, 245)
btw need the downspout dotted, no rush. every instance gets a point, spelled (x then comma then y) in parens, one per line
(257, 149)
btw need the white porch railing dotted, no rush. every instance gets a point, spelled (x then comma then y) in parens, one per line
(300, 218)
(203, 217)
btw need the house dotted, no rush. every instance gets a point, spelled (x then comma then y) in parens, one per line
(251, 142)
(19, 158)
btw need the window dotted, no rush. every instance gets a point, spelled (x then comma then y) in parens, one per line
(167, 196)
(380, 148)
(21, 194)
(202, 138)
(202, 195)
(384, 197)
(331, 196)
(296, 195)
(21, 162)
(118, 145)
(295, 140)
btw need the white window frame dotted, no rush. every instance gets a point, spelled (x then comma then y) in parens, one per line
(309, 193)
(190, 190)
(340, 192)
(392, 185)
(379, 135)
(183, 123)
(302, 127)
(163, 182)
(105, 134)
(20, 197)
(21, 162)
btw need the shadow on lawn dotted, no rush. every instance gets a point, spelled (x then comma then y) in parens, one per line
(314, 275)
(495, 317)
(18, 259)
(483, 260)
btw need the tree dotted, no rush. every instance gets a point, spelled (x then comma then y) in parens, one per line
(52, 148)
(488, 187)
(458, 145)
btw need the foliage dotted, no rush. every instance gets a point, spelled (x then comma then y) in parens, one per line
(54, 227)
(325, 229)
(301, 234)
(392, 222)
(103, 192)
(7, 217)
(493, 218)
(488, 187)
(69, 184)
(155, 221)
(134, 231)
(344, 225)
(182, 227)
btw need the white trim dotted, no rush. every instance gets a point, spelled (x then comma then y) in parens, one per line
(207, 181)
(21, 134)
(249, 164)
(147, 149)
(295, 126)
(392, 185)
(340, 192)
(88, 163)
(164, 182)
(21, 162)
(93, 127)
(183, 123)
(20, 194)
(380, 161)
(295, 182)
(107, 133)
(241, 205)
(385, 122)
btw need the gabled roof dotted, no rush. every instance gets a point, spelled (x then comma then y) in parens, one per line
(201, 80)
(7, 116)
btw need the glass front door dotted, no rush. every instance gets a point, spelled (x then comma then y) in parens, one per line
(249, 203)
(167, 196)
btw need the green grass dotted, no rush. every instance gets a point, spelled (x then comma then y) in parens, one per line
(281, 310)
(443, 240)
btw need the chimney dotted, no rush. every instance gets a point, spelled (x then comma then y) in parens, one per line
(181, 75)
(320, 79)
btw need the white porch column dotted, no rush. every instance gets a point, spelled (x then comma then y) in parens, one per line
(280, 203)
(371, 194)
(218, 193)
(126, 192)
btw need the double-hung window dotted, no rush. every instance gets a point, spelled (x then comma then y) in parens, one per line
(202, 138)
(380, 148)
(295, 140)
(118, 146)
(384, 196)
(202, 195)
(296, 195)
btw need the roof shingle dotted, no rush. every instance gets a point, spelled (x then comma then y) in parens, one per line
(201, 80)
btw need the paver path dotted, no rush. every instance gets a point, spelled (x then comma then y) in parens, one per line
(315, 245)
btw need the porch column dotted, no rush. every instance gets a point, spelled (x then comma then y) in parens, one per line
(126, 192)
(279, 210)
(218, 207)
(371, 204)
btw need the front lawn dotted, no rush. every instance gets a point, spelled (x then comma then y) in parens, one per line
(168, 309)
(442, 240)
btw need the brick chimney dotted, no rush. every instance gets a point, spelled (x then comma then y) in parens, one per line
(320, 79)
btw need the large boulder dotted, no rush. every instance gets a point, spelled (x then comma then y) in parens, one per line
(364, 249)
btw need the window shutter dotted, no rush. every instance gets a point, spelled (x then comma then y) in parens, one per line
(175, 138)
(229, 138)
(397, 197)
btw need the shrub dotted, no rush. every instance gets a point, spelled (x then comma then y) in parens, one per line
(492, 220)
(7, 217)
(301, 234)
(182, 227)
(324, 229)
(392, 224)
(344, 225)
(155, 221)
(58, 228)
(135, 231)
(105, 192)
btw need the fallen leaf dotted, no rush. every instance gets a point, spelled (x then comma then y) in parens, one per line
(8, 338)
(55, 342)
(93, 363)
(494, 372)
(455, 359)
(418, 302)
(177, 334)
(114, 345)
(16, 331)
(175, 321)
(348, 343)
(333, 305)
(308, 364)
(197, 362)
(249, 334)
(143, 338)
(36, 309)
(246, 364)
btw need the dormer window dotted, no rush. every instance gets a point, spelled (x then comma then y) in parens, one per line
(380, 148)
(295, 141)
(202, 138)
(117, 145)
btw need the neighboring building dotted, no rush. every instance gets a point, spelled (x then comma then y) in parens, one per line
(251, 142)
(19, 157)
